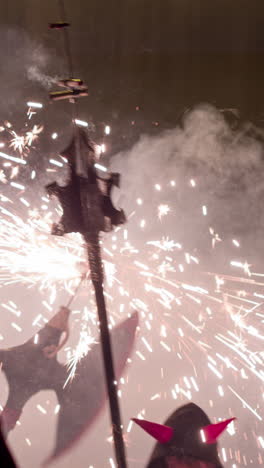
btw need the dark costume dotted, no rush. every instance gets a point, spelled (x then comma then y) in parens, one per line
(181, 437)
(33, 366)
(6, 459)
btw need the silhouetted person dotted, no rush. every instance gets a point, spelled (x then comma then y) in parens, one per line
(187, 440)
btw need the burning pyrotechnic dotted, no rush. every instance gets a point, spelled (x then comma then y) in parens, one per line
(208, 324)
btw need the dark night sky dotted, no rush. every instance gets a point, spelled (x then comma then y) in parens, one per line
(163, 56)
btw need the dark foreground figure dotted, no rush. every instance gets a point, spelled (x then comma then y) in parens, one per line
(6, 459)
(34, 366)
(187, 440)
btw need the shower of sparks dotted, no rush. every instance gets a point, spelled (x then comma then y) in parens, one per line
(163, 210)
(22, 143)
(30, 255)
(81, 123)
(36, 105)
(100, 167)
(210, 323)
(81, 350)
(33, 134)
(18, 143)
(12, 158)
(204, 210)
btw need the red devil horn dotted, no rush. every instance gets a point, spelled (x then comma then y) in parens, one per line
(213, 431)
(161, 433)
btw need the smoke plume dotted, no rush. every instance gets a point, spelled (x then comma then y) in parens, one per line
(222, 155)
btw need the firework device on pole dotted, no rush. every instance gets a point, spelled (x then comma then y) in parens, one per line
(88, 209)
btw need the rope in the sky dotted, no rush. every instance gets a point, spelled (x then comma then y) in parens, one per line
(66, 36)
(68, 55)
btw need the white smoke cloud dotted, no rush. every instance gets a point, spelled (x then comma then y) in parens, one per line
(24, 63)
(34, 73)
(225, 159)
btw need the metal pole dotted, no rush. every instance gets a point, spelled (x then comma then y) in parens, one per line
(95, 263)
